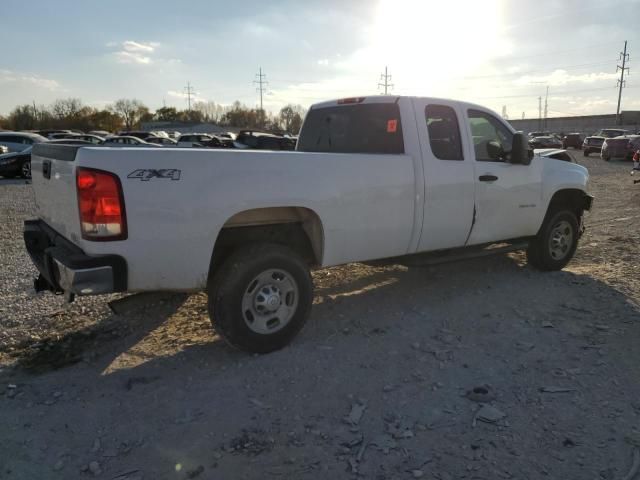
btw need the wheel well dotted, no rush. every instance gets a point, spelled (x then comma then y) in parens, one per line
(572, 198)
(295, 227)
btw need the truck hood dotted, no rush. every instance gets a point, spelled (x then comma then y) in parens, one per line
(555, 153)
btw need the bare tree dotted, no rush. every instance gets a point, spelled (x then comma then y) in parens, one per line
(66, 107)
(130, 110)
(211, 111)
(291, 117)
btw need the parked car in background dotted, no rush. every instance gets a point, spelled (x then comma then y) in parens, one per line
(545, 142)
(159, 133)
(19, 141)
(137, 133)
(572, 140)
(593, 143)
(219, 142)
(193, 139)
(16, 164)
(4, 149)
(538, 134)
(96, 140)
(127, 141)
(163, 141)
(48, 132)
(100, 133)
(264, 141)
(620, 147)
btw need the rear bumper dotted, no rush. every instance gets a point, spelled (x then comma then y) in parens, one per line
(592, 148)
(64, 267)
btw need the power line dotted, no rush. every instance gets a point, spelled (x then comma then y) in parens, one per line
(624, 56)
(546, 107)
(385, 80)
(262, 84)
(188, 90)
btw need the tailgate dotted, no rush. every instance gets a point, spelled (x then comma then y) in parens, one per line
(53, 178)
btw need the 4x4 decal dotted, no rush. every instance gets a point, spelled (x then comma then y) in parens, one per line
(148, 174)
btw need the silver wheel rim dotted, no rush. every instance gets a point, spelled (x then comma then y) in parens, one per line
(560, 240)
(26, 169)
(270, 301)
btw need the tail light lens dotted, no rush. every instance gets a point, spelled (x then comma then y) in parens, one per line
(101, 205)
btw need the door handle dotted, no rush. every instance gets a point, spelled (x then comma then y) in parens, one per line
(487, 178)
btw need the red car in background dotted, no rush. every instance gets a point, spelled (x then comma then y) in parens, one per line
(620, 147)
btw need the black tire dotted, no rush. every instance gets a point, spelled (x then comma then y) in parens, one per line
(25, 170)
(541, 254)
(235, 282)
(606, 158)
(585, 153)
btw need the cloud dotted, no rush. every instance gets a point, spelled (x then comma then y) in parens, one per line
(132, 52)
(131, 46)
(561, 77)
(8, 76)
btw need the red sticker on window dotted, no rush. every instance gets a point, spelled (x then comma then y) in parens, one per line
(392, 126)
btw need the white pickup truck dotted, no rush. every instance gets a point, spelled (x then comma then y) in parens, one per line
(372, 178)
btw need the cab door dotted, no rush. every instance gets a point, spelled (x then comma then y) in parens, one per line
(448, 176)
(508, 196)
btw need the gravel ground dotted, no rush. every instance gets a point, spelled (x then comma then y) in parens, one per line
(480, 370)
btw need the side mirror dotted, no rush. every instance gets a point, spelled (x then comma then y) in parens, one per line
(495, 150)
(520, 153)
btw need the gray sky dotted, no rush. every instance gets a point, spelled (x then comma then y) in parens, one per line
(497, 53)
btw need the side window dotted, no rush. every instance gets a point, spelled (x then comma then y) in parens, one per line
(444, 132)
(26, 141)
(486, 128)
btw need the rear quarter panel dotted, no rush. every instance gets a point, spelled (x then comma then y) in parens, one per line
(365, 203)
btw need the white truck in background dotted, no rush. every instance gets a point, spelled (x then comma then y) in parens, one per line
(373, 178)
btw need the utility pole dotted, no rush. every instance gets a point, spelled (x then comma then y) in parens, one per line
(189, 91)
(624, 56)
(385, 81)
(522, 115)
(504, 112)
(35, 114)
(539, 113)
(546, 104)
(262, 84)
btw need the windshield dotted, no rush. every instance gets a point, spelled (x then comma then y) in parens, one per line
(612, 133)
(362, 128)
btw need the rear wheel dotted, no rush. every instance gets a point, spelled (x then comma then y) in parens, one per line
(25, 170)
(556, 242)
(585, 153)
(261, 297)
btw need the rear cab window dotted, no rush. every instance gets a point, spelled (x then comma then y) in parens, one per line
(353, 128)
(444, 132)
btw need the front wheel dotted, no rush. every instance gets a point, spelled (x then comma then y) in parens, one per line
(585, 153)
(261, 297)
(25, 170)
(556, 242)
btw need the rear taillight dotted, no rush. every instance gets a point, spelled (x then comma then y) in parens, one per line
(101, 205)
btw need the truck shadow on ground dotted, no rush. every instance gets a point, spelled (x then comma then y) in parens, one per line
(351, 302)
